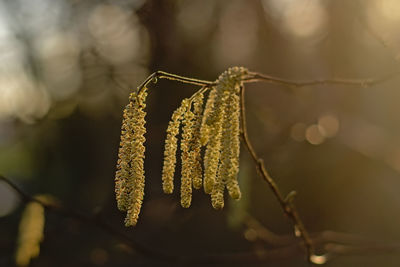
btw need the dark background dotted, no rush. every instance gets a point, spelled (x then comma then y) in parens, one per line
(66, 70)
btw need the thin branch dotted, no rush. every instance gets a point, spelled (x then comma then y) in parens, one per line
(165, 75)
(330, 242)
(259, 77)
(286, 203)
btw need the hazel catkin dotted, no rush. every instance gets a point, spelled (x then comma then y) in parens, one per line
(129, 178)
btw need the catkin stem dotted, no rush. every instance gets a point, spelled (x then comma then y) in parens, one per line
(165, 75)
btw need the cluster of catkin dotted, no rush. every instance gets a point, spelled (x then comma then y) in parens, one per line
(214, 126)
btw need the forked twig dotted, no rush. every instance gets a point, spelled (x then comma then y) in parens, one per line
(286, 203)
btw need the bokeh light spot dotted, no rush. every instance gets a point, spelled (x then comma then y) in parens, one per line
(298, 18)
(297, 132)
(305, 18)
(318, 259)
(390, 9)
(314, 135)
(116, 32)
(250, 234)
(328, 125)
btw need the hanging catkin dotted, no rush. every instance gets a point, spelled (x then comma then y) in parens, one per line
(129, 178)
(171, 147)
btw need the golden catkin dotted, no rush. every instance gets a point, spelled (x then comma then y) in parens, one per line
(171, 147)
(124, 158)
(216, 127)
(230, 163)
(137, 163)
(186, 179)
(31, 231)
(217, 193)
(213, 149)
(129, 179)
(223, 120)
(195, 153)
(205, 128)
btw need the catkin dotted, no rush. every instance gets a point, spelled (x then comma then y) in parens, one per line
(213, 149)
(205, 128)
(230, 161)
(129, 179)
(195, 153)
(124, 158)
(186, 179)
(31, 230)
(221, 159)
(171, 147)
(217, 194)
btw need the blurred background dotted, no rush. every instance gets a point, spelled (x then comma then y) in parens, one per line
(66, 70)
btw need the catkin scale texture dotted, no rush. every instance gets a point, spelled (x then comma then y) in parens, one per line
(170, 148)
(223, 119)
(195, 153)
(129, 178)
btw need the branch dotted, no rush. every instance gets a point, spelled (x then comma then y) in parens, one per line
(259, 77)
(331, 242)
(286, 203)
(165, 75)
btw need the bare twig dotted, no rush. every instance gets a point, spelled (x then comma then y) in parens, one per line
(330, 242)
(165, 75)
(286, 203)
(259, 77)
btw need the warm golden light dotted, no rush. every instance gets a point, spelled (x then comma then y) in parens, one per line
(316, 259)
(305, 18)
(314, 135)
(116, 32)
(22, 97)
(328, 125)
(390, 9)
(297, 132)
(299, 18)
